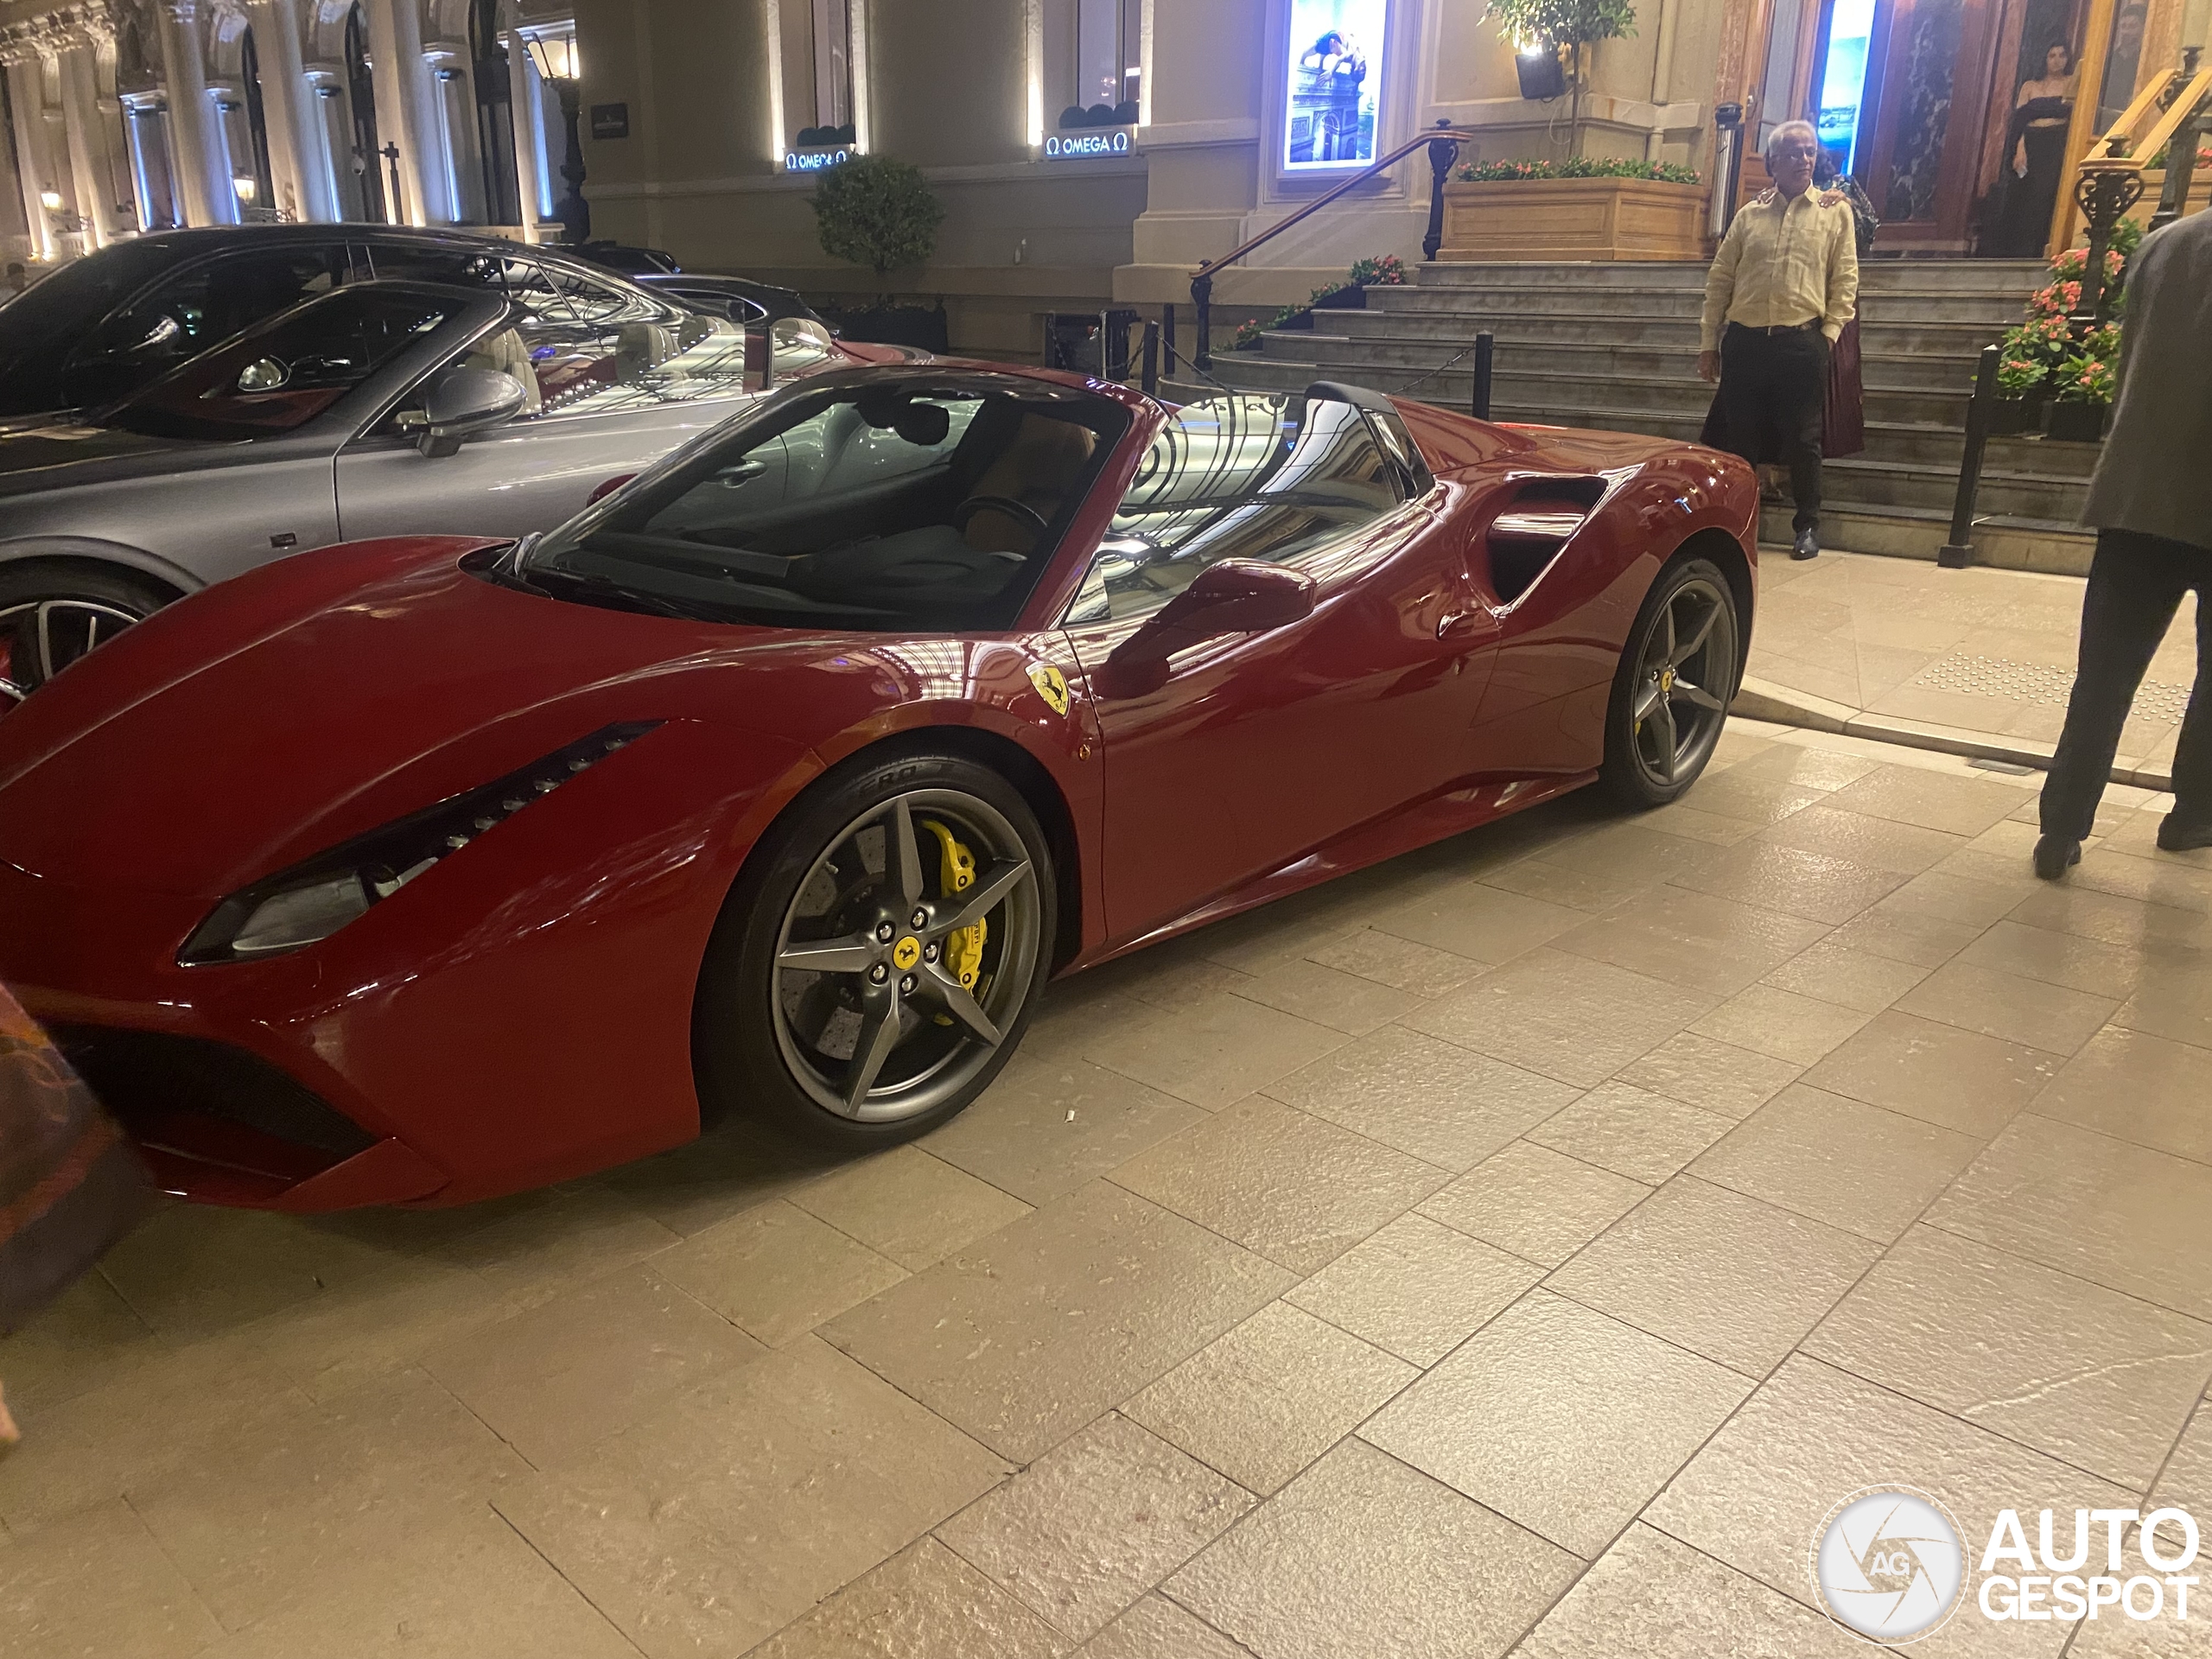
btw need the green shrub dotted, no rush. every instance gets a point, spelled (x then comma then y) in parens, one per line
(1578, 167)
(878, 212)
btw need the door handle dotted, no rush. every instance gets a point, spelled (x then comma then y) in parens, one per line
(1459, 624)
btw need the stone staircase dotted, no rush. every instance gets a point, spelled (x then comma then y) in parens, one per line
(1615, 345)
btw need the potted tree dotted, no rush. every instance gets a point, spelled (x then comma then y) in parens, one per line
(879, 212)
(1568, 26)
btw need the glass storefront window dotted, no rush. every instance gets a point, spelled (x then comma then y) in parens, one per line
(1335, 82)
(1843, 83)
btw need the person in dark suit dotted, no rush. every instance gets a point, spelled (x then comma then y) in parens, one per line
(2150, 504)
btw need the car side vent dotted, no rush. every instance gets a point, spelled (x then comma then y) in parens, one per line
(1527, 534)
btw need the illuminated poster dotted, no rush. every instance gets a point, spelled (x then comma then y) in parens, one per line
(1336, 80)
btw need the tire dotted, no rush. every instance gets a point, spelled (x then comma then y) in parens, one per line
(80, 606)
(1677, 676)
(786, 1043)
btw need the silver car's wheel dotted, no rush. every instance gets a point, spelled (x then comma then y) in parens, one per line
(40, 638)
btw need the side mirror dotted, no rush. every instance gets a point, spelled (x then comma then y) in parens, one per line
(606, 486)
(1235, 596)
(461, 402)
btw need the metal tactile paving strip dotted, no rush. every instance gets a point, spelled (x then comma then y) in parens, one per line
(2000, 676)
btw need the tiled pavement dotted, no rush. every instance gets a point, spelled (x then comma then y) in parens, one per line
(1976, 650)
(1524, 1243)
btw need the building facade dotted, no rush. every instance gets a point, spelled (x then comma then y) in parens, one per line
(1088, 153)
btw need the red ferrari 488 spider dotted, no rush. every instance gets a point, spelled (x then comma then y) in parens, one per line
(781, 779)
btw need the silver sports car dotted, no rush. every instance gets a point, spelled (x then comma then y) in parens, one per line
(377, 408)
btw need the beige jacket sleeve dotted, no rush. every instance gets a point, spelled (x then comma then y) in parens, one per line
(1843, 278)
(1720, 284)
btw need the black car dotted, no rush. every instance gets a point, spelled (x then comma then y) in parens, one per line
(739, 298)
(103, 325)
(631, 262)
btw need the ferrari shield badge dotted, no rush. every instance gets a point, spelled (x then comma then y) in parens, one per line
(1051, 685)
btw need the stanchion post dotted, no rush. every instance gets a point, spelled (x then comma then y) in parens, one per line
(1957, 553)
(1485, 351)
(1151, 382)
(1202, 297)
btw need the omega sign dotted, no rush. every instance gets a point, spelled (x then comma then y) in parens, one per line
(1075, 146)
(816, 160)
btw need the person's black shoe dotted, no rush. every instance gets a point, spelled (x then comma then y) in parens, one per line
(2055, 855)
(1808, 546)
(2178, 837)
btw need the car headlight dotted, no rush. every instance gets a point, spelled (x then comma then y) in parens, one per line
(310, 902)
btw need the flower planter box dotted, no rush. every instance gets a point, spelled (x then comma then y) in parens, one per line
(2009, 416)
(1526, 219)
(2077, 423)
(2154, 184)
(1344, 299)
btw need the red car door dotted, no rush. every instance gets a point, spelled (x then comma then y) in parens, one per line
(1259, 747)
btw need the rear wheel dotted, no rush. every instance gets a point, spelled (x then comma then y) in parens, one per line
(1670, 697)
(52, 614)
(875, 965)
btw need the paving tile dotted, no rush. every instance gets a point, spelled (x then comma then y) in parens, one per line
(1715, 1075)
(1215, 1049)
(1362, 1556)
(1717, 1272)
(1874, 843)
(924, 1603)
(83, 1337)
(1558, 1418)
(1416, 1288)
(1264, 1401)
(1086, 1529)
(1811, 884)
(1484, 924)
(250, 1519)
(1030, 1333)
(542, 1251)
(572, 1371)
(1936, 1073)
(909, 1206)
(2149, 880)
(1692, 939)
(191, 1270)
(1540, 1205)
(1072, 1013)
(2123, 1216)
(1561, 1015)
(2048, 1017)
(1644, 1136)
(1696, 823)
(1737, 794)
(1901, 933)
(1755, 1496)
(2062, 907)
(690, 1188)
(1445, 1105)
(1853, 979)
(2174, 1001)
(776, 1272)
(2061, 958)
(1406, 965)
(1296, 1189)
(1933, 800)
(1597, 886)
(1856, 1167)
(742, 1502)
(96, 1583)
(2186, 1481)
(472, 1588)
(1950, 897)
(1044, 1129)
(1158, 1629)
(2129, 1084)
(2100, 1380)
(1809, 767)
(1328, 996)
(1782, 1024)
(1656, 1597)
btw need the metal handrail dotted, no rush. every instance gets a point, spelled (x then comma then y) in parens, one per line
(1442, 134)
(2109, 180)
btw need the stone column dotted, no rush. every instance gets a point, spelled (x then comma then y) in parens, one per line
(203, 174)
(298, 157)
(95, 182)
(27, 94)
(522, 111)
(403, 115)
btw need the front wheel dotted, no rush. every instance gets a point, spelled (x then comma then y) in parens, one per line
(53, 614)
(876, 963)
(1670, 697)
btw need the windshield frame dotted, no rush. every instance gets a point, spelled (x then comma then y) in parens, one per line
(1072, 531)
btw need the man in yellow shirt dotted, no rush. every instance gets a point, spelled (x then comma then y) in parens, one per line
(1782, 286)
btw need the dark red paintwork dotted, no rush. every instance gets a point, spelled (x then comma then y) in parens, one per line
(521, 1013)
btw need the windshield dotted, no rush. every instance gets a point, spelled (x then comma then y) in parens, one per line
(39, 325)
(287, 371)
(916, 502)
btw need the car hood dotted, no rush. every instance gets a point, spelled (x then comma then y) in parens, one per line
(33, 458)
(275, 715)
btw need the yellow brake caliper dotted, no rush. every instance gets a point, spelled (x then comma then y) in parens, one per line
(964, 951)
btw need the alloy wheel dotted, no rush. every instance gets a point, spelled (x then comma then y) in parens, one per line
(39, 637)
(905, 955)
(1683, 679)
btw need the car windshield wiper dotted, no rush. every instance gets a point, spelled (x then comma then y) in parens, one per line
(605, 591)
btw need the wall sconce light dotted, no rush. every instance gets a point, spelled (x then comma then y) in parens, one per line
(50, 199)
(1536, 63)
(554, 56)
(247, 188)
